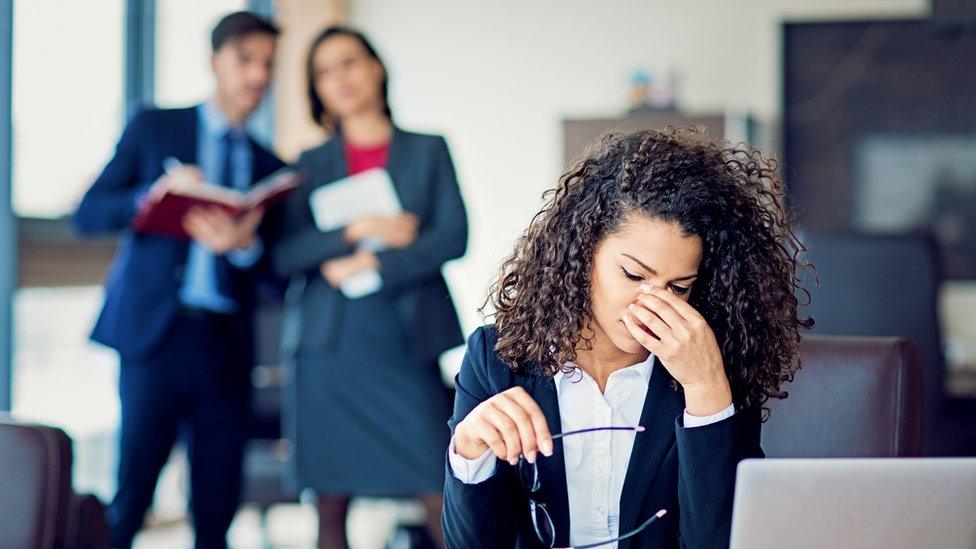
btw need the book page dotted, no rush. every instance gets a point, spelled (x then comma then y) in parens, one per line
(208, 191)
(277, 182)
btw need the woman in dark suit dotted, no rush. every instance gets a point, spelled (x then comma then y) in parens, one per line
(368, 403)
(644, 318)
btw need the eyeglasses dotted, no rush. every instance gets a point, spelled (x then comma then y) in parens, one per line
(545, 530)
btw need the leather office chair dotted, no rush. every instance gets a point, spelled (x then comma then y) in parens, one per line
(38, 507)
(888, 285)
(852, 397)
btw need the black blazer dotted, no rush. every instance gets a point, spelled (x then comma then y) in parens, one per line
(689, 472)
(143, 283)
(423, 174)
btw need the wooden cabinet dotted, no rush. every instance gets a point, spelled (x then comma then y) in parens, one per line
(579, 132)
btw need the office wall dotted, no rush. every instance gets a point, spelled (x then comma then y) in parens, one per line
(299, 21)
(497, 78)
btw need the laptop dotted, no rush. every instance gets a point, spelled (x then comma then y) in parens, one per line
(905, 503)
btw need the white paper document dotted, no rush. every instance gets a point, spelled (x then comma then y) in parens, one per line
(367, 194)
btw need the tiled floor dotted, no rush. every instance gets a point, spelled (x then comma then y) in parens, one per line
(291, 527)
(62, 379)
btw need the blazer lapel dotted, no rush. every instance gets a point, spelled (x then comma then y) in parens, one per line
(397, 164)
(661, 406)
(330, 165)
(186, 143)
(332, 162)
(552, 470)
(333, 165)
(260, 167)
(397, 156)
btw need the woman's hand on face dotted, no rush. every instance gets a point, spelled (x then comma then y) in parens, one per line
(510, 424)
(684, 344)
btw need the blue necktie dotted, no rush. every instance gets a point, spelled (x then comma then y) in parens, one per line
(225, 159)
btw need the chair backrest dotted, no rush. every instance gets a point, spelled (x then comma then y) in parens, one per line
(874, 285)
(852, 397)
(35, 473)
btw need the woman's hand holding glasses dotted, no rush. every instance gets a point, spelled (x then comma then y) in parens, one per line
(510, 423)
(513, 426)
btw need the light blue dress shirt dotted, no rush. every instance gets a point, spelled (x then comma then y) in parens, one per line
(200, 289)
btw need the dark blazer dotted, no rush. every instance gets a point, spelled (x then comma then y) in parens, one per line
(143, 283)
(423, 174)
(689, 472)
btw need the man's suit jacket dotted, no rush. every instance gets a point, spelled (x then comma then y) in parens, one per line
(143, 283)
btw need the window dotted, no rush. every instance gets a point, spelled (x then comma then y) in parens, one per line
(67, 100)
(183, 75)
(60, 378)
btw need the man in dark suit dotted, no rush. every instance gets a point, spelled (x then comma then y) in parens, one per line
(180, 313)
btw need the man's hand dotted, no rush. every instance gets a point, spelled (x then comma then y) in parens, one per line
(186, 174)
(219, 232)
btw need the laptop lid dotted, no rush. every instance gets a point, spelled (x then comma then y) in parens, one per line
(864, 503)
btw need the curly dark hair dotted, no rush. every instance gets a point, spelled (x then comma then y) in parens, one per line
(729, 196)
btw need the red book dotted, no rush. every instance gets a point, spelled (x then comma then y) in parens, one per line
(165, 216)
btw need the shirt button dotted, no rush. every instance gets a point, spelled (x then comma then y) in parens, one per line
(601, 510)
(603, 464)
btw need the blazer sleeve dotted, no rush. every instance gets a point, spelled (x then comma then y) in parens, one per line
(110, 204)
(301, 246)
(483, 514)
(707, 461)
(444, 236)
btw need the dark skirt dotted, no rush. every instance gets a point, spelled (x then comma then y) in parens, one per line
(369, 418)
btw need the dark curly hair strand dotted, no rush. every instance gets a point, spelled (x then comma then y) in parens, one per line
(729, 196)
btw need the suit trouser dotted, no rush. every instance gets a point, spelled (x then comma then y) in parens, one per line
(195, 385)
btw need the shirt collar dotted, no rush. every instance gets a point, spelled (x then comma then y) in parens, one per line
(644, 369)
(214, 122)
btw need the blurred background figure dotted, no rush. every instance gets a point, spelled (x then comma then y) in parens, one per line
(867, 104)
(180, 314)
(369, 404)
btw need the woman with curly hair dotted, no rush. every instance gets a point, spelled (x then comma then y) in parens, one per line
(644, 318)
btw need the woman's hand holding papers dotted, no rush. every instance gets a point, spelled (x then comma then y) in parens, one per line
(337, 270)
(397, 231)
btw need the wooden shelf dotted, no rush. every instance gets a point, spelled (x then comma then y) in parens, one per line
(50, 255)
(578, 133)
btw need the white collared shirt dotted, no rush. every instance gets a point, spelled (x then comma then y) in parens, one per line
(596, 463)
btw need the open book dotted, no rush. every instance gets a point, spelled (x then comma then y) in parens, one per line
(165, 216)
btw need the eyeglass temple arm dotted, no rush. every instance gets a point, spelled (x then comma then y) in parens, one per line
(633, 532)
(637, 428)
